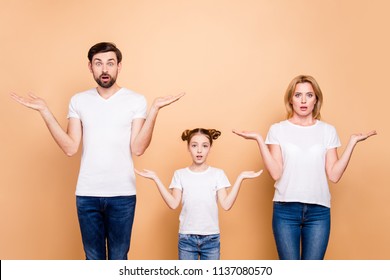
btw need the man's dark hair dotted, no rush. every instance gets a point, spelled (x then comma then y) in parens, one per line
(102, 48)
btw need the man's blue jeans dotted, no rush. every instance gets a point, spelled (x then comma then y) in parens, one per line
(301, 230)
(195, 247)
(106, 220)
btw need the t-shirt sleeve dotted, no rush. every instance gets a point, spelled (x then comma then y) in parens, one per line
(176, 182)
(222, 180)
(141, 109)
(333, 138)
(73, 112)
(272, 136)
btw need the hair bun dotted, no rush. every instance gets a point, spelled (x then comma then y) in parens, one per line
(214, 133)
(185, 134)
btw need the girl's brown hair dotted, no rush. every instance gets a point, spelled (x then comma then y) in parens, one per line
(211, 134)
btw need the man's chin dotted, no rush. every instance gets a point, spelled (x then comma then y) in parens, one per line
(105, 85)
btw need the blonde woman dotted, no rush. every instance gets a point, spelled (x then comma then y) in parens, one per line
(300, 154)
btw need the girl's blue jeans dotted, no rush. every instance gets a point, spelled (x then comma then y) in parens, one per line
(195, 247)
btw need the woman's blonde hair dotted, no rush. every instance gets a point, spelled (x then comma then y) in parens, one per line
(211, 134)
(291, 90)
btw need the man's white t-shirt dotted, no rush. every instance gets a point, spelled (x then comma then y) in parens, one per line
(304, 152)
(199, 214)
(106, 168)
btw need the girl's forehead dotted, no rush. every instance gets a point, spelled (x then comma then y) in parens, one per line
(200, 138)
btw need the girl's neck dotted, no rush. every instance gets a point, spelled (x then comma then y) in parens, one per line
(198, 167)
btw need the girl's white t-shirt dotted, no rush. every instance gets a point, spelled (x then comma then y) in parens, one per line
(199, 214)
(304, 153)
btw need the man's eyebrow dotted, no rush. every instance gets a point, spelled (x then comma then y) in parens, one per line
(98, 59)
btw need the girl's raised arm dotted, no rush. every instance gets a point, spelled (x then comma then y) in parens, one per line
(172, 199)
(227, 199)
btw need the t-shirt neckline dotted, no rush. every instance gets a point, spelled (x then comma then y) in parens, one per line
(303, 126)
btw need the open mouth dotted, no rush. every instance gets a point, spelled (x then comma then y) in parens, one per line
(105, 78)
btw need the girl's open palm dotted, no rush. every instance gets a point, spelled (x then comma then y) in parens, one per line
(250, 174)
(147, 174)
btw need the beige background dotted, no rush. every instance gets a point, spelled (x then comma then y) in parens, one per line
(234, 59)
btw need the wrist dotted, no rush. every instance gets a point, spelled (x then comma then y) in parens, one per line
(44, 111)
(154, 109)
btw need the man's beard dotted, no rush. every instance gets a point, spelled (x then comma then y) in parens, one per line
(108, 84)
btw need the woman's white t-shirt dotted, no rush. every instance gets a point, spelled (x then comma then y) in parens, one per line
(199, 214)
(304, 153)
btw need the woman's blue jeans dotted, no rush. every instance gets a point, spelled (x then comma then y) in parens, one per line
(301, 230)
(106, 220)
(195, 247)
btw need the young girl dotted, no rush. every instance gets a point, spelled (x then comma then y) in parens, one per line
(198, 187)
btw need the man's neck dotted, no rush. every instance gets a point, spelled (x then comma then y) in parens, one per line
(108, 92)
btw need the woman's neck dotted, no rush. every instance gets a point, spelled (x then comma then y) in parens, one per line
(303, 121)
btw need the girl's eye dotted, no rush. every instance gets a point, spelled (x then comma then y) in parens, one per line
(310, 95)
(297, 95)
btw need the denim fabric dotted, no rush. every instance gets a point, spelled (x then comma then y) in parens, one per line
(106, 220)
(195, 247)
(301, 230)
